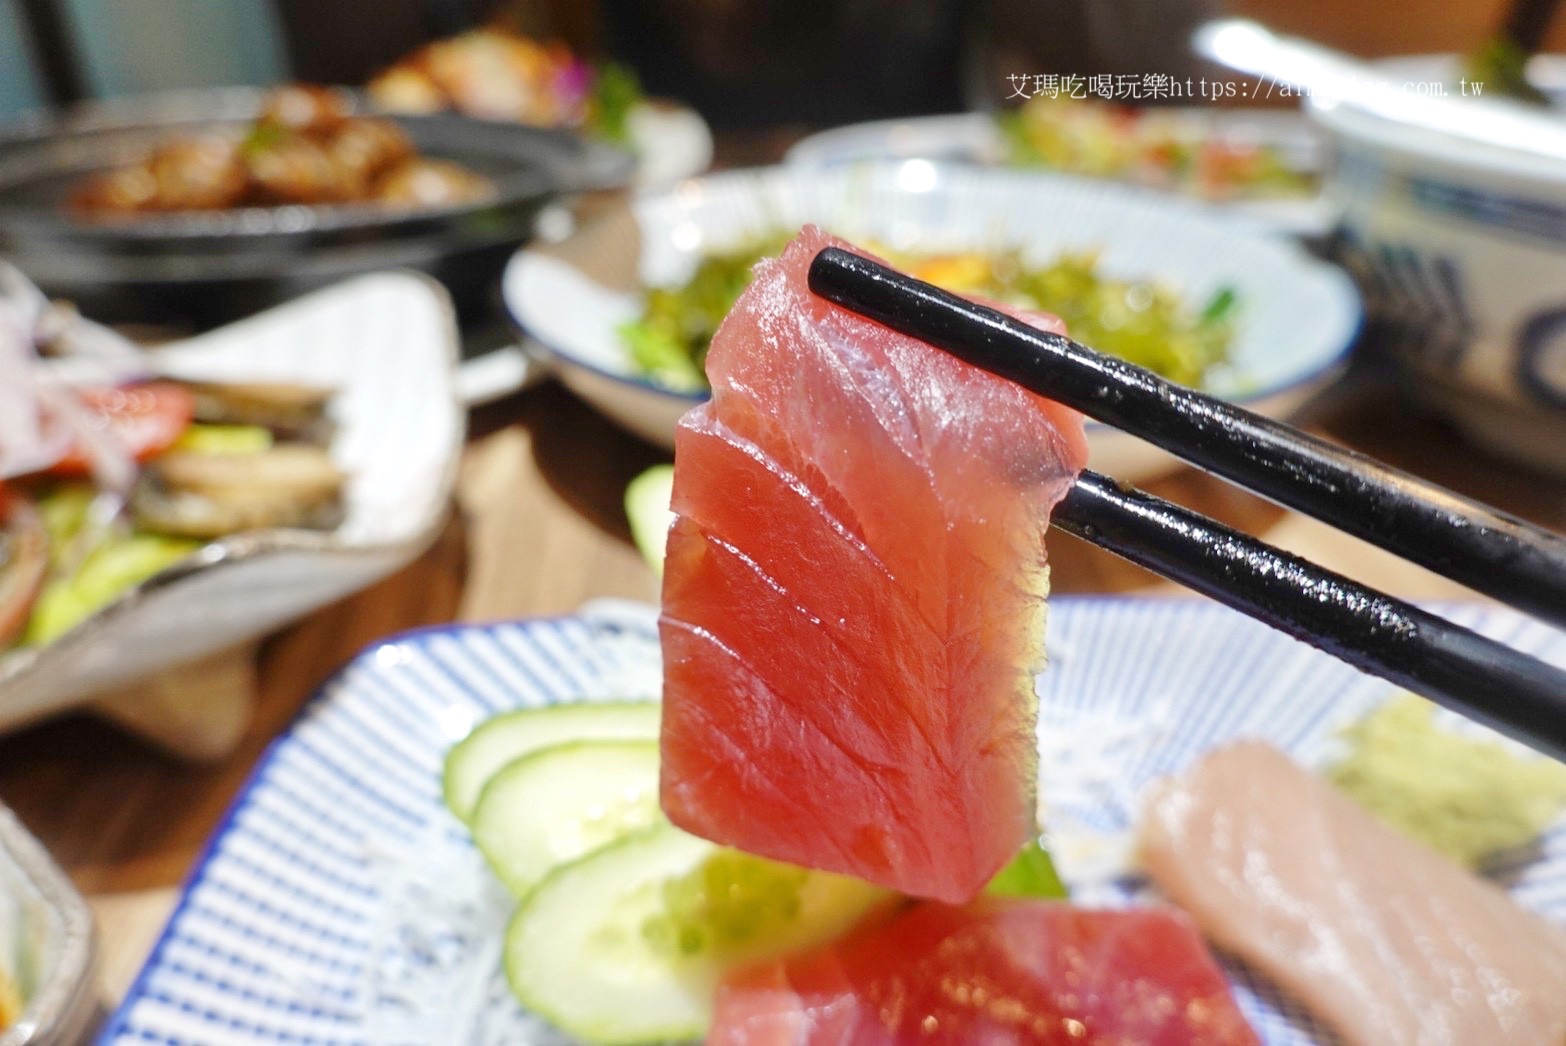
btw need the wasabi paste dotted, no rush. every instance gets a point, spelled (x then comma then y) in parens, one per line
(1466, 797)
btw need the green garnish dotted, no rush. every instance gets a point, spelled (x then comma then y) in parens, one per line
(202, 438)
(1030, 874)
(1466, 797)
(119, 563)
(730, 902)
(616, 91)
(669, 342)
(1220, 306)
(263, 136)
(1140, 321)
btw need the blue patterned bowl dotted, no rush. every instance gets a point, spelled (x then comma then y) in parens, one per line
(1460, 248)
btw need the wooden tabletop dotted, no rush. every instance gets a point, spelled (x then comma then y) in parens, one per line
(537, 529)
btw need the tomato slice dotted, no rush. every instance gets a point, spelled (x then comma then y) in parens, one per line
(145, 419)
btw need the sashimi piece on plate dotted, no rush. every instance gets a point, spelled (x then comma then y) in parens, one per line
(992, 973)
(853, 600)
(1377, 934)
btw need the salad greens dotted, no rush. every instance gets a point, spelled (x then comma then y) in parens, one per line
(669, 342)
(1142, 321)
(1166, 151)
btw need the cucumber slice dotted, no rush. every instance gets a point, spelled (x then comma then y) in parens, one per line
(551, 807)
(627, 944)
(647, 507)
(497, 741)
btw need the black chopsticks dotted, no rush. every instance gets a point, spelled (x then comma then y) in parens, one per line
(1496, 554)
(1492, 553)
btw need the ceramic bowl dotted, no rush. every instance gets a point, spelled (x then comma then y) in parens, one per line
(1297, 315)
(46, 943)
(1461, 247)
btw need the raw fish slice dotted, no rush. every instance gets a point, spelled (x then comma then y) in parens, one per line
(992, 973)
(853, 596)
(1379, 936)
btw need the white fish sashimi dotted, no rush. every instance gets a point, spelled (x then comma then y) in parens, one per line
(1378, 935)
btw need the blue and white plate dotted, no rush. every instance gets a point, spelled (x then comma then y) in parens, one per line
(341, 903)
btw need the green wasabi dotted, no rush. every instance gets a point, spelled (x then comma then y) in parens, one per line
(1468, 798)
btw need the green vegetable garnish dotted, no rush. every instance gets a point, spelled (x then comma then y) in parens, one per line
(1140, 321)
(1090, 137)
(730, 902)
(63, 511)
(119, 563)
(1030, 874)
(201, 438)
(1220, 306)
(669, 342)
(616, 92)
(1467, 797)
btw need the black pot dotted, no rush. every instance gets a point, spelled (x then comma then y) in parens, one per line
(205, 268)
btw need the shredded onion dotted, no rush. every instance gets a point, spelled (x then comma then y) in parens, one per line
(41, 418)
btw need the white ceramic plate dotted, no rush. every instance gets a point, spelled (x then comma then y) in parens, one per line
(388, 343)
(974, 138)
(1297, 316)
(340, 902)
(46, 938)
(670, 141)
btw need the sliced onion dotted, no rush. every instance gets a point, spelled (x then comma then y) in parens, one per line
(40, 416)
(28, 442)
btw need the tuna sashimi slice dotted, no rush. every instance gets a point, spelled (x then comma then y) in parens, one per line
(992, 973)
(1379, 936)
(854, 595)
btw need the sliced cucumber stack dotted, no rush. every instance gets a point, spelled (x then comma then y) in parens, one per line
(511, 735)
(647, 507)
(558, 803)
(627, 944)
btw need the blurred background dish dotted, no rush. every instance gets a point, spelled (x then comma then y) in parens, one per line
(494, 73)
(1293, 317)
(209, 266)
(1452, 213)
(1263, 164)
(46, 946)
(386, 342)
(1462, 250)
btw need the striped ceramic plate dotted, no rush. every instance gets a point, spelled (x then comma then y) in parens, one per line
(340, 903)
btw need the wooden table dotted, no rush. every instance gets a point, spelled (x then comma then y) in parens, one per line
(537, 529)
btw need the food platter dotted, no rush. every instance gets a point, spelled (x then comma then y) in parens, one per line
(340, 901)
(1297, 316)
(215, 265)
(977, 138)
(387, 343)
